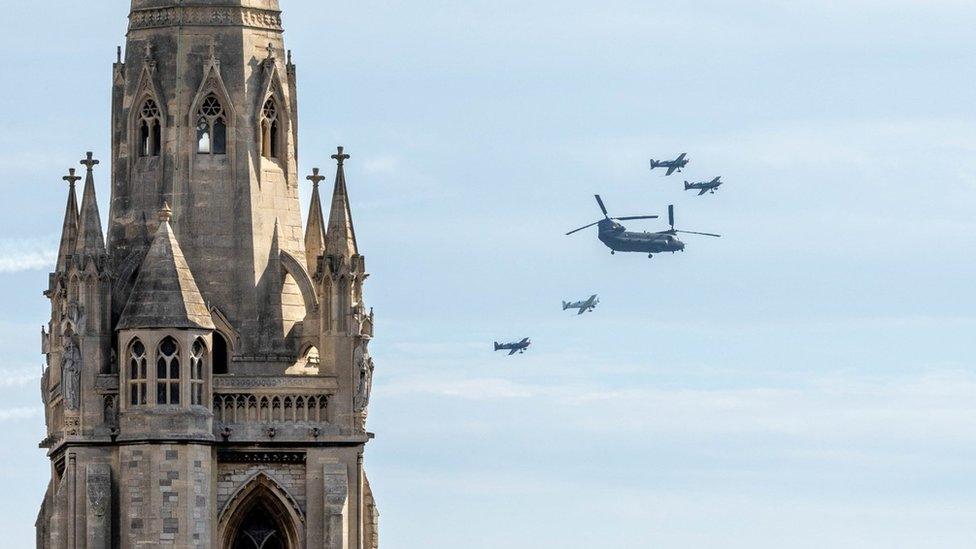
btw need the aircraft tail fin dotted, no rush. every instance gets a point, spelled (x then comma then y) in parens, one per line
(565, 305)
(497, 346)
(687, 185)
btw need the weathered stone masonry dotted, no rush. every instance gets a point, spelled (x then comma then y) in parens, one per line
(208, 373)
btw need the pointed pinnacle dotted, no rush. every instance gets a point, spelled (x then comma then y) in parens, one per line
(165, 213)
(315, 178)
(341, 157)
(89, 161)
(71, 178)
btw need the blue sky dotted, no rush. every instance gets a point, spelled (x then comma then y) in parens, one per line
(804, 381)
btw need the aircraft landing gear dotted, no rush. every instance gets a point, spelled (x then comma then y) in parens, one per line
(650, 256)
(613, 252)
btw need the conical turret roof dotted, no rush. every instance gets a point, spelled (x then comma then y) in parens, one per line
(90, 238)
(69, 230)
(315, 231)
(165, 294)
(341, 236)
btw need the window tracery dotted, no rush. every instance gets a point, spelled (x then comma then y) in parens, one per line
(168, 372)
(138, 375)
(150, 129)
(211, 127)
(269, 129)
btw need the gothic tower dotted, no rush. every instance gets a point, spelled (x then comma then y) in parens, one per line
(208, 373)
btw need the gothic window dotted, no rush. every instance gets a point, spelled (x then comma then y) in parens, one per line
(259, 530)
(138, 377)
(150, 132)
(197, 354)
(269, 129)
(211, 127)
(168, 372)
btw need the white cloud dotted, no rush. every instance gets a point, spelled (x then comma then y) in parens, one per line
(8, 414)
(934, 406)
(27, 254)
(19, 378)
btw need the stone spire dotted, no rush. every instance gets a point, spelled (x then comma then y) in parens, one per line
(165, 294)
(315, 231)
(90, 238)
(340, 240)
(69, 231)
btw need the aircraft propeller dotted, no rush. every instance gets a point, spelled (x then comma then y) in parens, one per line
(607, 216)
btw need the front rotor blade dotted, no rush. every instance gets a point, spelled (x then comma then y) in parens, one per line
(581, 228)
(600, 202)
(635, 217)
(671, 215)
(703, 234)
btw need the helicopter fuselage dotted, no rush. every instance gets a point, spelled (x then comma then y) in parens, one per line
(616, 237)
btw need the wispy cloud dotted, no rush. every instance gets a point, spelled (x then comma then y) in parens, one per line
(19, 377)
(929, 406)
(9, 414)
(27, 254)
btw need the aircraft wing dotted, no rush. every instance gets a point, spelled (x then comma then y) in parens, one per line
(681, 157)
(524, 341)
(582, 310)
(671, 170)
(703, 191)
(513, 351)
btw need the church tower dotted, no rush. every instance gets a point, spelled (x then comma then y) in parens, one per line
(208, 373)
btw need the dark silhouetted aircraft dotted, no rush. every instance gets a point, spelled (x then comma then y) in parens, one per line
(583, 306)
(672, 165)
(616, 237)
(705, 186)
(513, 348)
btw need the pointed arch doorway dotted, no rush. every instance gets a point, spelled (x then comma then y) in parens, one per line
(261, 515)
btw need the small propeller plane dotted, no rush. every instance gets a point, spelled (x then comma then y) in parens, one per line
(583, 306)
(705, 186)
(672, 165)
(616, 237)
(513, 348)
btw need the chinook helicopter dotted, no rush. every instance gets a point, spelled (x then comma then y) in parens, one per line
(616, 237)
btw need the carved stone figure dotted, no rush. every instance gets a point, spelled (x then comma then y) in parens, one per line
(71, 374)
(364, 382)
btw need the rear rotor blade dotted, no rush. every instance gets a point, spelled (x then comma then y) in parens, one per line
(671, 215)
(581, 228)
(635, 217)
(702, 234)
(600, 202)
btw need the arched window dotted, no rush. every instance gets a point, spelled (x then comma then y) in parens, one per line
(259, 530)
(197, 354)
(168, 372)
(150, 132)
(269, 129)
(138, 376)
(211, 127)
(220, 357)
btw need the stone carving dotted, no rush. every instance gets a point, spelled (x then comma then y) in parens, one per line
(274, 382)
(229, 456)
(98, 483)
(72, 317)
(364, 380)
(202, 15)
(99, 489)
(250, 408)
(71, 374)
